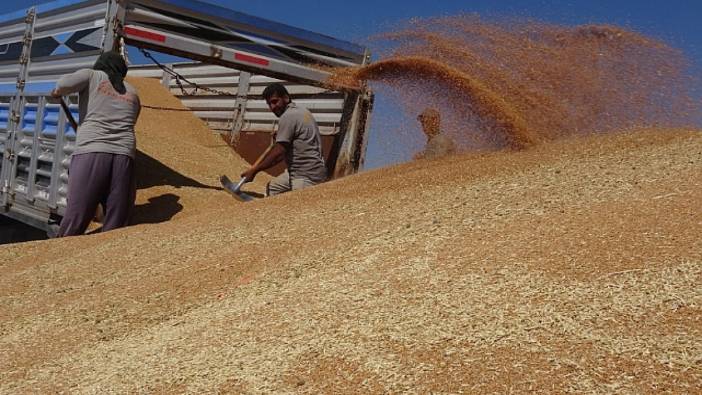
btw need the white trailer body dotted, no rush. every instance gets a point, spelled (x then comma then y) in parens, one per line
(39, 45)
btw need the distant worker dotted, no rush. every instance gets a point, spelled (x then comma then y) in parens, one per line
(438, 144)
(102, 165)
(297, 141)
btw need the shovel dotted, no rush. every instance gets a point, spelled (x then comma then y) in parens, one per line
(235, 189)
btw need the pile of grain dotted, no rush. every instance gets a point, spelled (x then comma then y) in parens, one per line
(571, 267)
(179, 159)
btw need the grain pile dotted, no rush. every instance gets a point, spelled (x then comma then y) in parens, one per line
(570, 267)
(573, 266)
(179, 159)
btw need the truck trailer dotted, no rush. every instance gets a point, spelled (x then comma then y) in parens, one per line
(232, 55)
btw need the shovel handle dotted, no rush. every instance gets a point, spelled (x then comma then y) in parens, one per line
(69, 115)
(258, 161)
(263, 155)
(238, 186)
(241, 182)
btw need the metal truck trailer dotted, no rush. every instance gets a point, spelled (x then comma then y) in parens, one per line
(243, 53)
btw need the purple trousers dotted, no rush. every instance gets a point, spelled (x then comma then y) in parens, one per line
(98, 178)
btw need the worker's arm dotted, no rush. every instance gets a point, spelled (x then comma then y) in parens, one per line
(284, 137)
(272, 158)
(72, 83)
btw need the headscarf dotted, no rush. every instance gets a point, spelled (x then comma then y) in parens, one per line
(431, 122)
(115, 67)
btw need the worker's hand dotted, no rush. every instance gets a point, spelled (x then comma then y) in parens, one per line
(249, 174)
(54, 97)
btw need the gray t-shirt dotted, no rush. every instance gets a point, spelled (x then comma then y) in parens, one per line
(299, 130)
(107, 118)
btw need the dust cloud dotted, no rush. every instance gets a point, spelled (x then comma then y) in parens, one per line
(513, 83)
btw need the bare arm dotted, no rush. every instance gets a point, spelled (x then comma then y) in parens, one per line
(272, 158)
(72, 83)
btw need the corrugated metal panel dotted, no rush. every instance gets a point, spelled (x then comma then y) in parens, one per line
(4, 123)
(40, 144)
(67, 39)
(65, 36)
(218, 110)
(43, 143)
(11, 36)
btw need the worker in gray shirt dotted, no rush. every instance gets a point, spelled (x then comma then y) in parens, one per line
(297, 141)
(102, 164)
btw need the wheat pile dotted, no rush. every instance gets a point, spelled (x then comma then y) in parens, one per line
(180, 159)
(573, 266)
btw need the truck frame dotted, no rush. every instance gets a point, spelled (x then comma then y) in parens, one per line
(44, 42)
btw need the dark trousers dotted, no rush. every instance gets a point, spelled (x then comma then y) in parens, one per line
(98, 178)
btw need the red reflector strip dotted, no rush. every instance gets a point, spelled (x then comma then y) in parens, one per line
(144, 34)
(250, 59)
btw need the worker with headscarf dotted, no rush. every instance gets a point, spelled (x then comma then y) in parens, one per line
(102, 164)
(438, 144)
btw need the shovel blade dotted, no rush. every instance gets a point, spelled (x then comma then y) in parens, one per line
(234, 190)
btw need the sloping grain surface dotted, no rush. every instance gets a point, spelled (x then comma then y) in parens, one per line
(179, 159)
(572, 266)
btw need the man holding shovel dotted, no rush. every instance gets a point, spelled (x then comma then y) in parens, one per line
(102, 165)
(297, 141)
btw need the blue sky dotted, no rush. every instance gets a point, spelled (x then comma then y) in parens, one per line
(675, 21)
